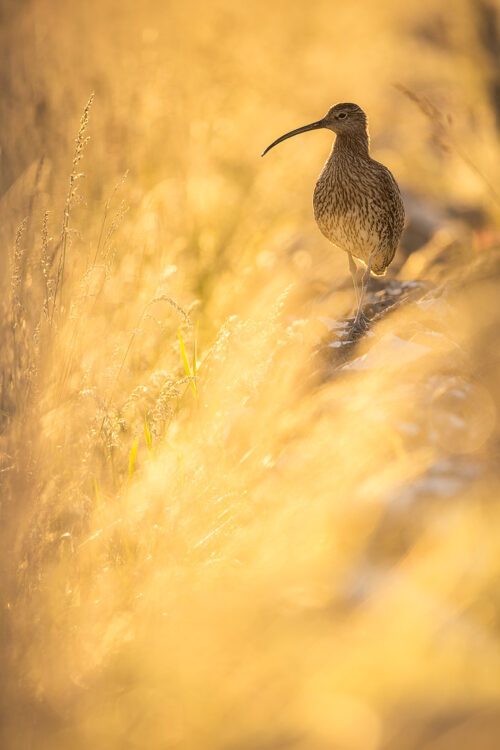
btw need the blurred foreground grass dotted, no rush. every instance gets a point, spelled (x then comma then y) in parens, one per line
(218, 528)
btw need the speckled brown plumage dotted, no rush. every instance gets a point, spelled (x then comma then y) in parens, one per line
(357, 203)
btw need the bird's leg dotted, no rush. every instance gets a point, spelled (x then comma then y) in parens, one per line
(354, 272)
(359, 319)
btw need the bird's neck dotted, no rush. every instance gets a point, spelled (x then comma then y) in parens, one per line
(352, 144)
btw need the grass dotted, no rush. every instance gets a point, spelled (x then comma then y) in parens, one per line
(190, 374)
(208, 539)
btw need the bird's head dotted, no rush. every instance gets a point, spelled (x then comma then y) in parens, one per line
(345, 118)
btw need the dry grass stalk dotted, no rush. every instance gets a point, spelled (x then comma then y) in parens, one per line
(443, 137)
(75, 176)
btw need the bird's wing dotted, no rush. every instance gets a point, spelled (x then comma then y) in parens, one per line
(392, 197)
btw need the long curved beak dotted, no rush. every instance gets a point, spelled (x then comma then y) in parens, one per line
(303, 129)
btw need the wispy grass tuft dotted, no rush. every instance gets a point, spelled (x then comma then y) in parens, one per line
(71, 197)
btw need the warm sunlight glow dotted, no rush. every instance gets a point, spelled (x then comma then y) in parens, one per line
(224, 524)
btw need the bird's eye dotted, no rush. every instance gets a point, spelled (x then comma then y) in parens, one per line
(342, 115)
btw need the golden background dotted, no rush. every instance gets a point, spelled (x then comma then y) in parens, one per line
(211, 538)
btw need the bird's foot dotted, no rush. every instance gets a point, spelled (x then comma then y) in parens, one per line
(359, 325)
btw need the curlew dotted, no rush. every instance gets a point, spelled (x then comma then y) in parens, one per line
(357, 203)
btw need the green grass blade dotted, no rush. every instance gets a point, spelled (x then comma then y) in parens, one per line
(133, 455)
(186, 364)
(195, 352)
(147, 434)
(97, 491)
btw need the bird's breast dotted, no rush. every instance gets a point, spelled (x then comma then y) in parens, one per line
(343, 215)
